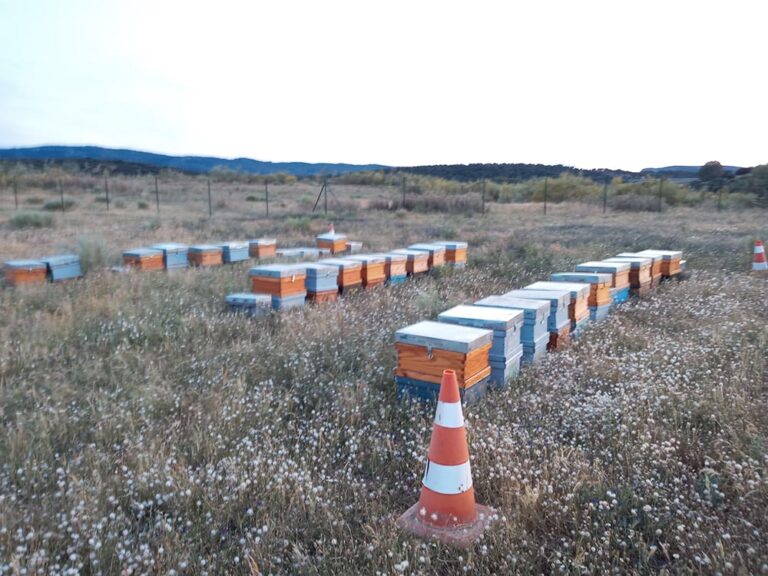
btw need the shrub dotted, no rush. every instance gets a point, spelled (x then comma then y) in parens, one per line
(94, 253)
(34, 201)
(252, 198)
(58, 204)
(31, 220)
(634, 203)
(142, 205)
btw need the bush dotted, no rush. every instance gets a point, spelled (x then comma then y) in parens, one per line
(58, 204)
(34, 201)
(94, 254)
(31, 220)
(142, 205)
(252, 198)
(634, 203)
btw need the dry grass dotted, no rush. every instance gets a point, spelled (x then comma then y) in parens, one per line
(145, 430)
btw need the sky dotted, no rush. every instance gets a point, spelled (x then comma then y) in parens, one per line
(591, 84)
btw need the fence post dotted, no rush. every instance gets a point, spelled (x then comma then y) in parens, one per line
(61, 195)
(157, 196)
(16, 193)
(106, 190)
(546, 185)
(210, 205)
(402, 185)
(605, 196)
(483, 208)
(266, 194)
(661, 183)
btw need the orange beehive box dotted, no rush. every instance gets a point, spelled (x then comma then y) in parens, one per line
(639, 273)
(205, 255)
(144, 259)
(280, 280)
(455, 251)
(332, 241)
(350, 272)
(600, 285)
(670, 261)
(320, 297)
(373, 273)
(23, 272)
(436, 253)
(395, 265)
(619, 271)
(417, 262)
(262, 248)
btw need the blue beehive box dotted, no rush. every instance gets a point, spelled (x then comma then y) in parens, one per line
(598, 313)
(63, 267)
(234, 251)
(174, 255)
(505, 323)
(321, 278)
(536, 351)
(579, 328)
(250, 304)
(395, 263)
(503, 372)
(535, 314)
(619, 295)
(584, 277)
(409, 388)
(288, 302)
(558, 301)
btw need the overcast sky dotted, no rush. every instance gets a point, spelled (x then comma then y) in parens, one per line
(614, 84)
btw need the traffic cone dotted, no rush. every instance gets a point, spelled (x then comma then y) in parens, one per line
(447, 509)
(759, 264)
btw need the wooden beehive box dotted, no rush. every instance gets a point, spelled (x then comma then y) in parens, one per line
(24, 272)
(655, 265)
(425, 349)
(619, 271)
(234, 251)
(333, 241)
(436, 253)
(262, 248)
(417, 262)
(250, 304)
(63, 267)
(395, 267)
(670, 261)
(535, 315)
(373, 272)
(279, 280)
(455, 252)
(578, 308)
(639, 271)
(350, 272)
(600, 285)
(205, 255)
(143, 259)
(558, 301)
(175, 255)
(321, 280)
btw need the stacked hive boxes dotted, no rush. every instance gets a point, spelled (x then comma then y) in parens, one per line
(455, 252)
(285, 283)
(578, 308)
(417, 262)
(425, 349)
(534, 334)
(619, 272)
(655, 265)
(64, 267)
(234, 252)
(205, 255)
(250, 304)
(23, 272)
(436, 253)
(599, 294)
(175, 255)
(373, 271)
(143, 259)
(262, 248)
(350, 273)
(322, 282)
(395, 268)
(336, 243)
(506, 350)
(639, 273)
(558, 321)
(671, 261)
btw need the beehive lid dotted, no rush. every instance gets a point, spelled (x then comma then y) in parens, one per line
(233, 245)
(61, 260)
(368, 258)
(290, 252)
(502, 319)
(278, 270)
(171, 247)
(603, 266)
(320, 271)
(664, 254)
(143, 252)
(332, 236)
(24, 264)
(562, 297)
(453, 337)
(634, 261)
(249, 299)
(526, 304)
(263, 241)
(411, 253)
(638, 255)
(452, 244)
(575, 288)
(342, 263)
(205, 248)
(533, 309)
(591, 278)
(427, 247)
(394, 257)
(309, 251)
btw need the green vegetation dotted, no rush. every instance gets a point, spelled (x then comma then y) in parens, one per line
(59, 205)
(23, 220)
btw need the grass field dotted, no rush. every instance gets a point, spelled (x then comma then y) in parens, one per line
(145, 430)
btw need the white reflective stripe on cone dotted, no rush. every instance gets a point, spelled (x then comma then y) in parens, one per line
(447, 479)
(449, 414)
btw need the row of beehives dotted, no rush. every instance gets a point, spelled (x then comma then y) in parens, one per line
(174, 256)
(488, 342)
(38, 271)
(280, 286)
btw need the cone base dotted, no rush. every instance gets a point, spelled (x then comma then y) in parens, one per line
(462, 537)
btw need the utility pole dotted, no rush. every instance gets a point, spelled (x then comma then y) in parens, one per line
(106, 190)
(210, 205)
(157, 196)
(546, 185)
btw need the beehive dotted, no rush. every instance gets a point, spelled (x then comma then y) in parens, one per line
(373, 272)
(578, 308)
(425, 349)
(436, 253)
(558, 321)
(354, 247)
(234, 251)
(63, 267)
(143, 259)
(670, 261)
(262, 248)
(534, 334)
(639, 272)
(619, 272)
(655, 265)
(417, 262)
(336, 243)
(175, 255)
(321, 282)
(395, 268)
(24, 272)
(250, 304)
(279, 280)
(349, 272)
(455, 252)
(505, 323)
(600, 286)
(205, 255)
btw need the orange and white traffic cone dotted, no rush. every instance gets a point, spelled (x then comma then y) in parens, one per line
(759, 264)
(447, 509)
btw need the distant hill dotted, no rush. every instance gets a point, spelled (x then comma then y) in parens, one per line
(133, 159)
(513, 172)
(682, 171)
